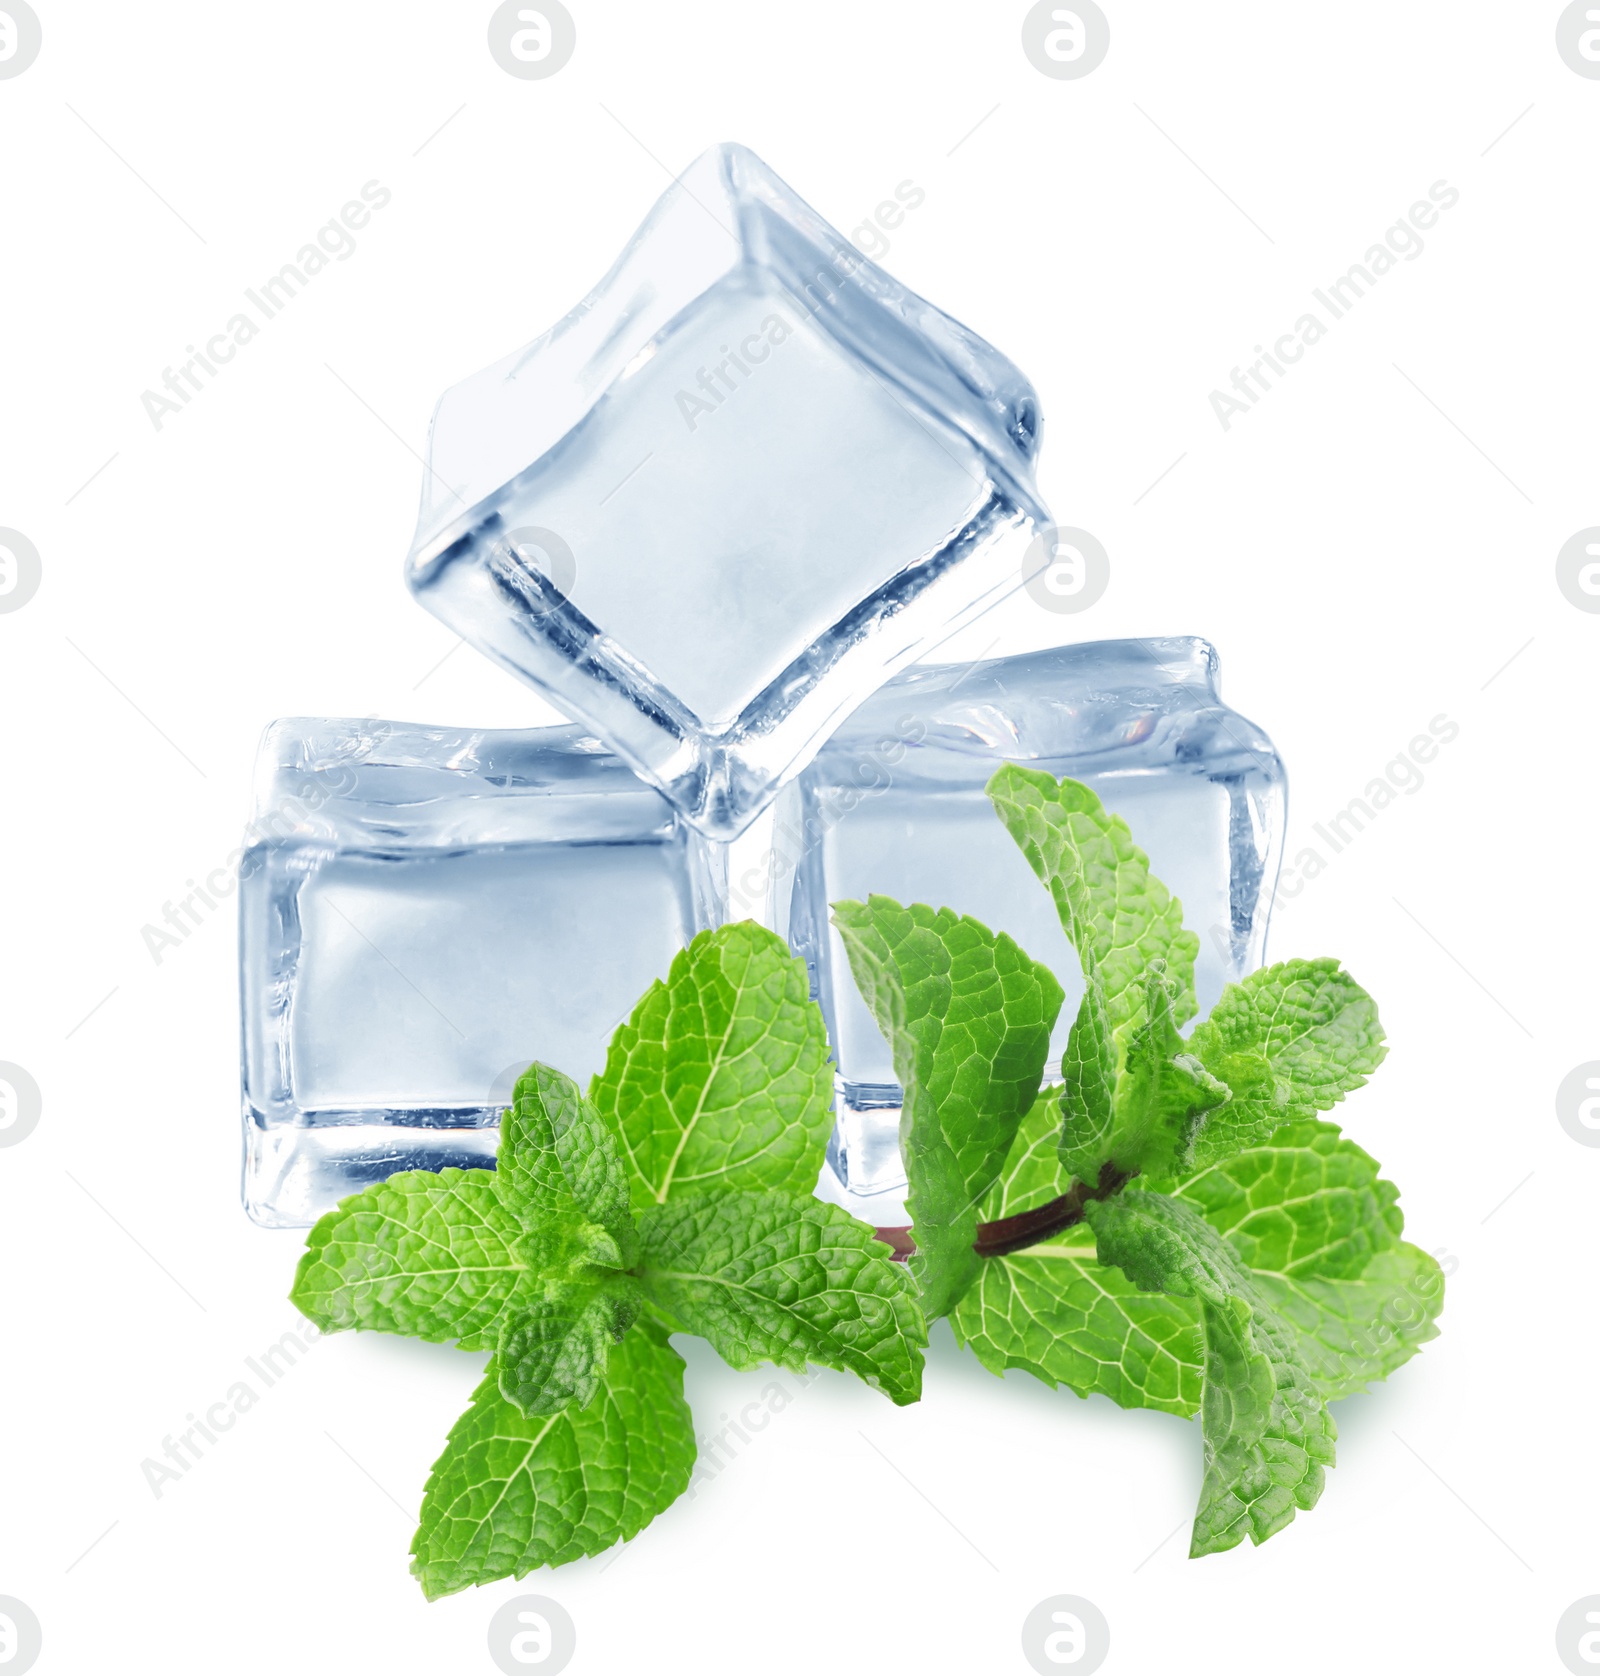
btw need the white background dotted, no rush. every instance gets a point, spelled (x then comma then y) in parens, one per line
(1362, 561)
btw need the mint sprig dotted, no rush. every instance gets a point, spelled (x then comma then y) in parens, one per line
(1170, 1226)
(674, 1196)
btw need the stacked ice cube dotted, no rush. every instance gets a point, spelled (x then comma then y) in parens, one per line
(709, 514)
(423, 910)
(895, 803)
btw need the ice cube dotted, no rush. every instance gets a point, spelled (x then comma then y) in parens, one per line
(894, 803)
(423, 911)
(747, 479)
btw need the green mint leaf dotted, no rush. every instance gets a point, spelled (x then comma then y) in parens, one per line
(721, 1076)
(557, 1153)
(436, 1256)
(1267, 1431)
(1290, 1040)
(554, 1351)
(776, 1277)
(1116, 913)
(1308, 1201)
(1164, 1094)
(1053, 1310)
(513, 1491)
(968, 1017)
(1320, 1231)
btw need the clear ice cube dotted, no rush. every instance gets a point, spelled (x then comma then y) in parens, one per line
(894, 803)
(747, 479)
(422, 912)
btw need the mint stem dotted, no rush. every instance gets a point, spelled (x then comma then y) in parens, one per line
(1028, 1227)
(898, 1240)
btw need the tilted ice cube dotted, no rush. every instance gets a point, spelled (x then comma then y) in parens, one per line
(895, 804)
(733, 491)
(422, 912)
